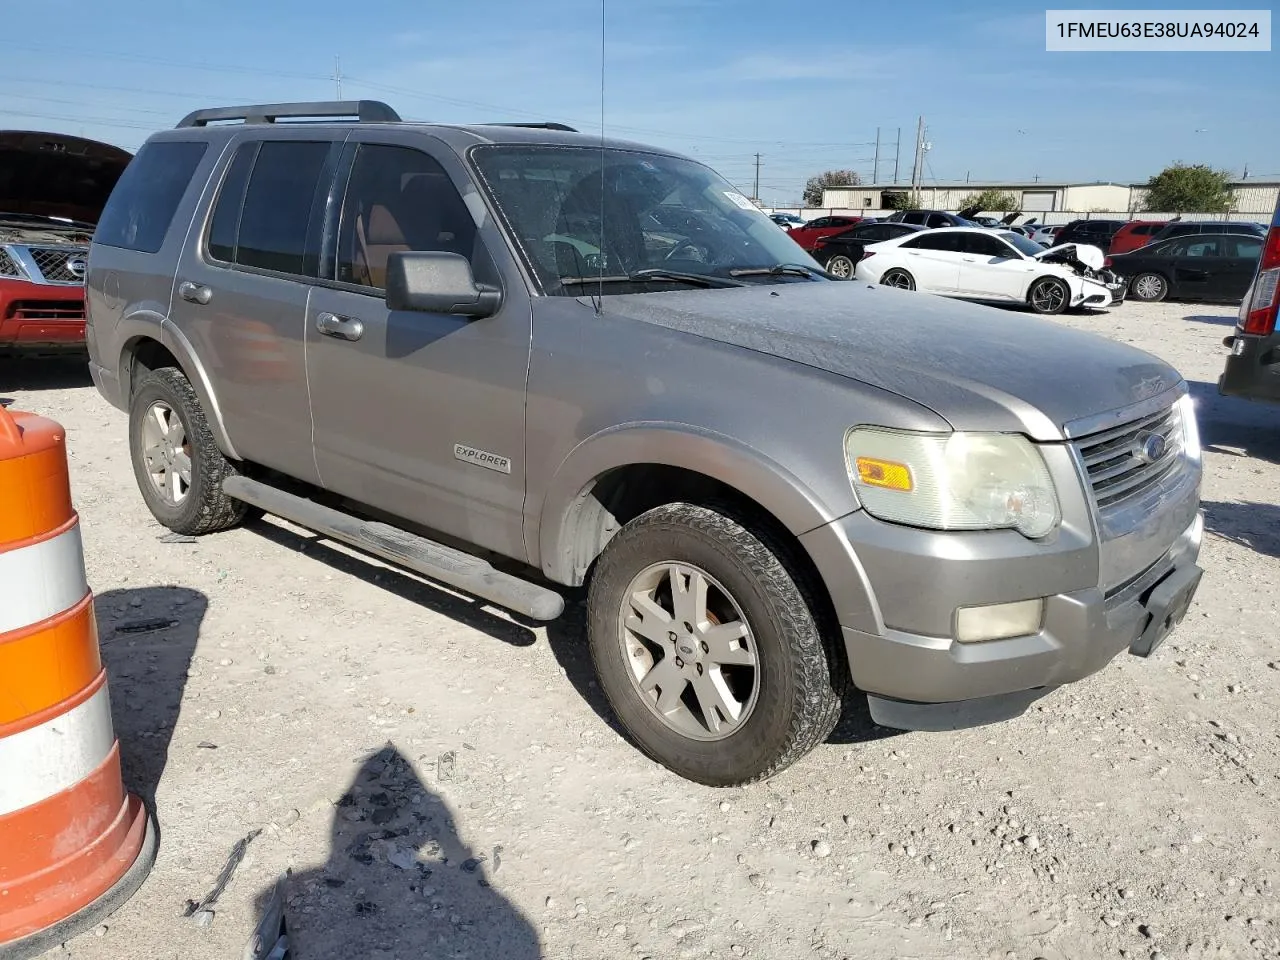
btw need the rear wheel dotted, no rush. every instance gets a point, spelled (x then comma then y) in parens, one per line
(1149, 287)
(178, 466)
(840, 266)
(707, 648)
(899, 278)
(1049, 295)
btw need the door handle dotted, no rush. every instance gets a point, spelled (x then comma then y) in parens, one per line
(194, 292)
(970, 259)
(344, 328)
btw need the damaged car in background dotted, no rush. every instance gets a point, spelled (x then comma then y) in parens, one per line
(1000, 266)
(52, 190)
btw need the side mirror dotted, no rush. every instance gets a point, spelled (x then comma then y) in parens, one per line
(430, 281)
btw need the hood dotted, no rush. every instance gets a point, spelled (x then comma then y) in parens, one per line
(53, 175)
(1085, 253)
(979, 368)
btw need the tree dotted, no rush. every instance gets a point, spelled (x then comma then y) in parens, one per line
(998, 201)
(1185, 188)
(832, 178)
(901, 200)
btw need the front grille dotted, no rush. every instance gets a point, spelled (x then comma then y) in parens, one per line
(52, 262)
(47, 310)
(1112, 458)
(9, 267)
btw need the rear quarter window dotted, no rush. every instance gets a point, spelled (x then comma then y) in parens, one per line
(141, 207)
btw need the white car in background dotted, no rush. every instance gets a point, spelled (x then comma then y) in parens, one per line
(993, 265)
(1044, 235)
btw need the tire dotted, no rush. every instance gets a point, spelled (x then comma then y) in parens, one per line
(897, 277)
(841, 266)
(1049, 295)
(1149, 287)
(165, 395)
(788, 701)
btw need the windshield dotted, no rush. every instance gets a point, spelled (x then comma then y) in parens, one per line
(1024, 244)
(660, 213)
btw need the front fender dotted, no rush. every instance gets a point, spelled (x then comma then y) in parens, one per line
(743, 468)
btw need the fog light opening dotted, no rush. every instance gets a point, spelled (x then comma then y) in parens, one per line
(999, 621)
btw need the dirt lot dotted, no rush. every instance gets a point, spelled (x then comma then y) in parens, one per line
(444, 782)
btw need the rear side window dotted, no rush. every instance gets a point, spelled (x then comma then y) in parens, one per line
(934, 241)
(1246, 247)
(262, 217)
(142, 205)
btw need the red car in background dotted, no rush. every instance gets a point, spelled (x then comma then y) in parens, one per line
(52, 190)
(1134, 234)
(811, 232)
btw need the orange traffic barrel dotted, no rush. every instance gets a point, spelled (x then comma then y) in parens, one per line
(73, 844)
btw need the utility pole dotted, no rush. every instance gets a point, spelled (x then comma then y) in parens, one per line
(915, 166)
(875, 168)
(755, 195)
(897, 155)
(337, 76)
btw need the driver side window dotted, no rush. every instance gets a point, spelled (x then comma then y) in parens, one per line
(398, 199)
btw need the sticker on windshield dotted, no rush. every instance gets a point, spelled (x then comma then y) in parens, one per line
(740, 200)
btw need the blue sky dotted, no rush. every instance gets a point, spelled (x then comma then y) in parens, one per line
(717, 79)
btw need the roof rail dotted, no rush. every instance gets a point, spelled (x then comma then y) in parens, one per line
(548, 125)
(364, 111)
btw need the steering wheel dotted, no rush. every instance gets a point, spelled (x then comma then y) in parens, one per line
(701, 253)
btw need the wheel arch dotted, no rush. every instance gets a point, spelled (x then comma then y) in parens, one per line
(619, 473)
(148, 345)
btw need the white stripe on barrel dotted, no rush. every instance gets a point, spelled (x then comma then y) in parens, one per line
(41, 580)
(55, 755)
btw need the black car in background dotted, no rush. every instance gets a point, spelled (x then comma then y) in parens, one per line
(1097, 233)
(1198, 266)
(840, 253)
(931, 218)
(1181, 228)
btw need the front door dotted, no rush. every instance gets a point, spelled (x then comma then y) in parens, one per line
(420, 415)
(241, 295)
(1197, 266)
(990, 269)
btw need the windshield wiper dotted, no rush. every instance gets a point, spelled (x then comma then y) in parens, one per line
(781, 270)
(658, 275)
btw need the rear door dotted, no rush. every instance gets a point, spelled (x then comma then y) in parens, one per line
(241, 294)
(933, 259)
(1239, 264)
(418, 414)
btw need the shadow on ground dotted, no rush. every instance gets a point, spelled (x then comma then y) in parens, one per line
(400, 880)
(1216, 319)
(1236, 427)
(472, 613)
(1252, 525)
(35, 373)
(147, 637)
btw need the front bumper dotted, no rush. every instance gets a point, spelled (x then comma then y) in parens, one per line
(41, 318)
(924, 682)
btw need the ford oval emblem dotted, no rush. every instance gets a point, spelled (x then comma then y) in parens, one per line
(1150, 447)
(77, 267)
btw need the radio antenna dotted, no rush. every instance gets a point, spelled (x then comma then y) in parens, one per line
(599, 300)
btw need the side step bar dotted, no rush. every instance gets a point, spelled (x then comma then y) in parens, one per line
(445, 564)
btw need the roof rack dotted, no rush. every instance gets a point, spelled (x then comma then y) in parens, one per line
(363, 111)
(548, 125)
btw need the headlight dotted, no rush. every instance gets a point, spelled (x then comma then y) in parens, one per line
(1190, 429)
(956, 481)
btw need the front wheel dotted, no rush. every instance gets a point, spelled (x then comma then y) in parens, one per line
(898, 278)
(707, 648)
(840, 266)
(1049, 295)
(1149, 287)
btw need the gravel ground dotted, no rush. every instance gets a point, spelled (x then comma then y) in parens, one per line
(444, 782)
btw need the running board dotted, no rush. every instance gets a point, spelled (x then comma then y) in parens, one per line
(445, 564)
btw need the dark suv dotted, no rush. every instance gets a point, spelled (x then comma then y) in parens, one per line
(1182, 228)
(931, 218)
(1096, 233)
(521, 360)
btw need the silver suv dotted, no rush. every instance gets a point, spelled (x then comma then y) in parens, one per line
(517, 360)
